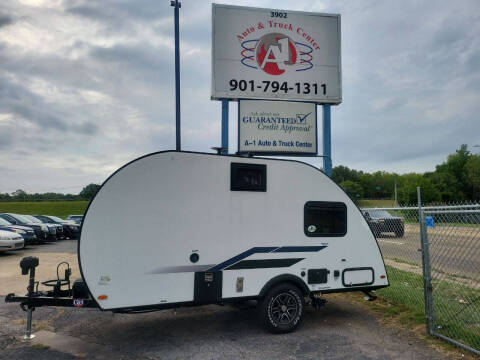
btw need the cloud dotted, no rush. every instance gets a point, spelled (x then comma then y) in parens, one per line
(26, 106)
(5, 20)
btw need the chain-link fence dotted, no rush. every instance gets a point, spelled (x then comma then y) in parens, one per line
(432, 256)
(453, 295)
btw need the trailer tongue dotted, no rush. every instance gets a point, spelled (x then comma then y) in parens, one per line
(59, 296)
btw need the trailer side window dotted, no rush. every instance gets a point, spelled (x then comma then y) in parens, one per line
(325, 218)
(248, 177)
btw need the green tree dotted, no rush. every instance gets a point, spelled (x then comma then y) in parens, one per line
(342, 173)
(383, 184)
(455, 166)
(366, 181)
(353, 189)
(407, 189)
(472, 175)
(19, 193)
(89, 191)
(446, 184)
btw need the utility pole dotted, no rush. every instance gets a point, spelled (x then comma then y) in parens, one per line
(177, 5)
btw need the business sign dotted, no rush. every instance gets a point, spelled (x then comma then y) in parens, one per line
(277, 127)
(275, 54)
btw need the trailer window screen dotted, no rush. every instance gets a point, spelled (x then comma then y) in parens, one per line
(325, 218)
(248, 177)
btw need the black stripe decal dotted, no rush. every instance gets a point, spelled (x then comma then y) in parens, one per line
(255, 250)
(263, 264)
(264, 250)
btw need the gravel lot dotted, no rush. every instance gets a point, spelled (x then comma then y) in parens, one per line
(344, 329)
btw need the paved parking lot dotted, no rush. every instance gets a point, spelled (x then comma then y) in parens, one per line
(344, 329)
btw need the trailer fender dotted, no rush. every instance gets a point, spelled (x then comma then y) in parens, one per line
(288, 278)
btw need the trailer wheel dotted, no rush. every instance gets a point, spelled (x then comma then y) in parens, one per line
(282, 308)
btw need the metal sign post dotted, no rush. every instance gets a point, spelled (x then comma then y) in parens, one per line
(327, 141)
(177, 5)
(224, 150)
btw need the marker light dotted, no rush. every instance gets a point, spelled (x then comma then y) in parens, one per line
(382, 276)
(102, 297)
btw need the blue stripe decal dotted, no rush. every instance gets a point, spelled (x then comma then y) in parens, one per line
(263, 250)
(299, 249)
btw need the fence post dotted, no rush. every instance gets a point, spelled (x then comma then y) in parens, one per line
(427, 276)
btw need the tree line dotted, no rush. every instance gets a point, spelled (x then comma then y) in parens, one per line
(456, 179)
(87, 193)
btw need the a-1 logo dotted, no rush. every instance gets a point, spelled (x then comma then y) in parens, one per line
(274, 53)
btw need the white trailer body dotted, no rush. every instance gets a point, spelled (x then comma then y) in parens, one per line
(182, 228)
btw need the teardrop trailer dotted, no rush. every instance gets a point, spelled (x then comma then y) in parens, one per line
(216, 229)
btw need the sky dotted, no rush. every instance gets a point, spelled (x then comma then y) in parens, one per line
(87, 86)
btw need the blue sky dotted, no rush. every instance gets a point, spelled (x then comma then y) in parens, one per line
(86, 86)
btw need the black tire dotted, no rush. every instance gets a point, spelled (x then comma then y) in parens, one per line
(281, 311)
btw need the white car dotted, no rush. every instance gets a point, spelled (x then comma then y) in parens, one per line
(78, 219)
(10, 241)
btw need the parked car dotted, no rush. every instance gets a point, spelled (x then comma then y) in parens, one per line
(381, 221)
(55, 231)
(41, 230)
(10, 241)
(26, 232)
(77, 218)
(71, 229)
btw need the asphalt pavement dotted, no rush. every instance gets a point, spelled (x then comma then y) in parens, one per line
(341, 330)
(61, 246)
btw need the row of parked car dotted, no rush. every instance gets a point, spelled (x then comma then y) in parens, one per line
(17, 230)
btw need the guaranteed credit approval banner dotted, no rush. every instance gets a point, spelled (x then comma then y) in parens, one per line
(277, 127)
(275, 54)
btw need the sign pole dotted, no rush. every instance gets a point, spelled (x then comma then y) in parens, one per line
(327, 141)
(224, 150)
(176, 4)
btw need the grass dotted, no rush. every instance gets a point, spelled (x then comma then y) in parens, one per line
(57, 208)
(402, 261)
(375, 203)
(456, 307)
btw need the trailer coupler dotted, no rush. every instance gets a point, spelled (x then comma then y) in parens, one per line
(56, 297)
